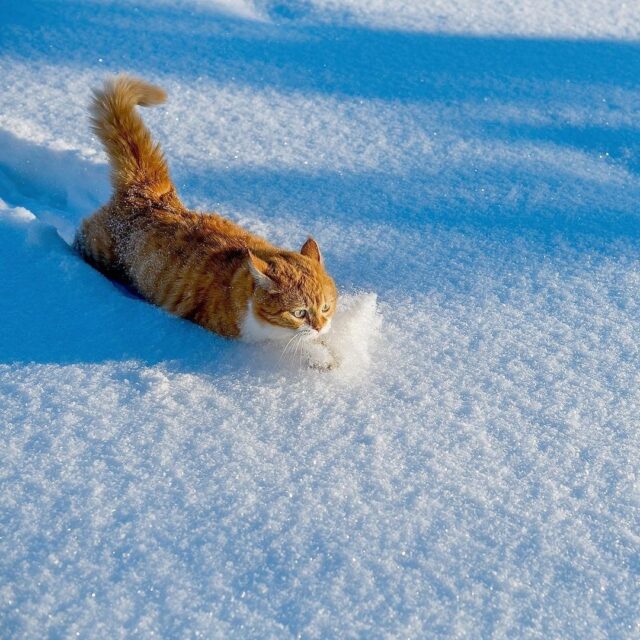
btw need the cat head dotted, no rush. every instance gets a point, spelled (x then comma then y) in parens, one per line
(293, 291)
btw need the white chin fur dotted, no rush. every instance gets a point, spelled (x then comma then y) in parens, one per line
(254, 330)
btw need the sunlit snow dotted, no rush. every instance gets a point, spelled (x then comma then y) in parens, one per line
(471, 172)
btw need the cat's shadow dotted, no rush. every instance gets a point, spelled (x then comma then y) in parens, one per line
(57, 310)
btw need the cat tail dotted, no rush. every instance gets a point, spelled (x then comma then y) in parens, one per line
(137, 162)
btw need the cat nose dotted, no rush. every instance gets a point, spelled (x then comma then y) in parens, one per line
(316, 323)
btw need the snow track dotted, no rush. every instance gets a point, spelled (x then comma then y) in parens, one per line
(473, 472)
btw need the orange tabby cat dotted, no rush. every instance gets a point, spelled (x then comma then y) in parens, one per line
(198, 266)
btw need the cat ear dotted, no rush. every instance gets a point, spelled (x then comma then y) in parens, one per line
(257, 267)
(311, 249)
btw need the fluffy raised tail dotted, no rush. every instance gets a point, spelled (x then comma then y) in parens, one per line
(137, 163)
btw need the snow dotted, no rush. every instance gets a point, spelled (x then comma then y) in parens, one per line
(549, 18)
(472, 469)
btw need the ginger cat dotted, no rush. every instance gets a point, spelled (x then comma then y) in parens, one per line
(199, 266)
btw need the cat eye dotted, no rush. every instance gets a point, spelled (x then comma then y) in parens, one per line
(299, 313)
(325, 308)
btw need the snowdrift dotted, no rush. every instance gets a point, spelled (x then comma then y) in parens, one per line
(471, 468)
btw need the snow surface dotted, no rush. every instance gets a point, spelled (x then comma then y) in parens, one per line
(474, 471)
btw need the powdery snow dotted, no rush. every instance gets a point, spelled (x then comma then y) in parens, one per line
(472, 468)
(547, 18)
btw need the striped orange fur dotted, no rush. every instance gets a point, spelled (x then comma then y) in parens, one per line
(198, 266)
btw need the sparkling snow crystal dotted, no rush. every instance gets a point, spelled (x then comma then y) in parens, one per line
(471, 467)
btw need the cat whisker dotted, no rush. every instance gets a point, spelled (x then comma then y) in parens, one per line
(294, 343)
(298, 350)
(300, 358)
(287, 346)
(302, 337)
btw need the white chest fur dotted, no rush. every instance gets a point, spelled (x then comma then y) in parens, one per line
(254, 330)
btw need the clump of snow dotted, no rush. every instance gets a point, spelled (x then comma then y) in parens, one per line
(15, 214)
(354, 330)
